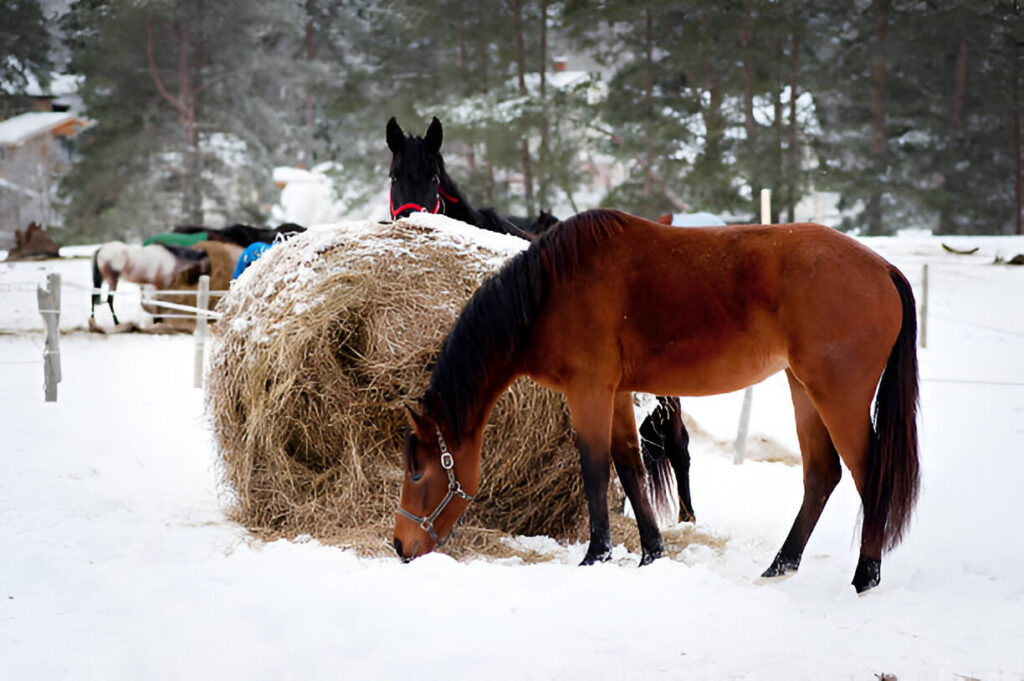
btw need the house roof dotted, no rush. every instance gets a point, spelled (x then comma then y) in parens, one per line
(24, 127)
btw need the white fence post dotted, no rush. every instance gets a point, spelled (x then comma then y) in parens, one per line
(748, 394)
(202, 329)
(922, 336)
(49, 308)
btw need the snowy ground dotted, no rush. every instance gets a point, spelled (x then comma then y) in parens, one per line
(116, 561)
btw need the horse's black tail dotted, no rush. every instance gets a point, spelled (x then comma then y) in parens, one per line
(97, 279)
(893, 480)
(664, 449)
(661, 490)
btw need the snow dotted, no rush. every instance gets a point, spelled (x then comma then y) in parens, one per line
(697, 219)
(312, 197)
(117, 561)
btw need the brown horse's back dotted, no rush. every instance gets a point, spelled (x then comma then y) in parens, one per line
(709, 310)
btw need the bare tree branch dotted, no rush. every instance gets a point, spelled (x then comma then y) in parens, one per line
(175, 102)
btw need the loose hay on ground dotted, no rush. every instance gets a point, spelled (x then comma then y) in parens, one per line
(321, 344)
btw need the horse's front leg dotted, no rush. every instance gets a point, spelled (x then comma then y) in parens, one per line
(111, 287)
(591, 416)
(630, 467)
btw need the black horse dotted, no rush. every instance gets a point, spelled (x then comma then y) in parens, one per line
(663, 437)
(538, 225)
(419, 182)
(243, 235)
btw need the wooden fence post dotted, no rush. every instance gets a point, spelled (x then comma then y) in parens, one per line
(49, 308)
(202, 329)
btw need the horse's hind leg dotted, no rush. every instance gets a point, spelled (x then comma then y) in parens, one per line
(821, 475)
(111, 280)
(110, 304)
(630, 467)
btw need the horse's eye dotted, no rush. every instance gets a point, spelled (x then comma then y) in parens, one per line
(435, 179)
(412, 466)
(394, 179)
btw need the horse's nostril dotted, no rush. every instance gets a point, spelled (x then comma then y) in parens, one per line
(398, 547)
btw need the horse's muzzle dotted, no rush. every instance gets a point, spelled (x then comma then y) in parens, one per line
(397, 544)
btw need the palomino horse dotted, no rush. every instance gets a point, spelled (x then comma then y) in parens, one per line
(155, 264)
(607, 304)
(420, 183)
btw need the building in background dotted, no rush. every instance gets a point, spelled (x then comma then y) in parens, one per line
(36, 150)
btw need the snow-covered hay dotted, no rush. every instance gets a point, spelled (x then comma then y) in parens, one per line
(321, 344)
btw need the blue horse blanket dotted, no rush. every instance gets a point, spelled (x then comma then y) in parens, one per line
(250, 255)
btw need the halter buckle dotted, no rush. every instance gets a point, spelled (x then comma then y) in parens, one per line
(447, 461)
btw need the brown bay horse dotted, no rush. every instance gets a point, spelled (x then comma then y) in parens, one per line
(607, 303)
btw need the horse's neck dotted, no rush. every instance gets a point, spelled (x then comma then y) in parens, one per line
(474, 407)
(456, 205)
(482, 355)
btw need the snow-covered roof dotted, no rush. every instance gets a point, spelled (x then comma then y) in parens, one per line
(27, 125)
(558, 79)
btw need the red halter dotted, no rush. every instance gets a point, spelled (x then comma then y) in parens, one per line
(418, 207)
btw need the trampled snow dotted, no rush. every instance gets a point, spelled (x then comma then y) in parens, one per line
(117, 562)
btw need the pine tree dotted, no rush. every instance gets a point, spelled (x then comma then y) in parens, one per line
(183, 107)
(26, 48)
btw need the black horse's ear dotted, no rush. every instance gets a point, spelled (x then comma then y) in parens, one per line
(396, 138)
(434, 135)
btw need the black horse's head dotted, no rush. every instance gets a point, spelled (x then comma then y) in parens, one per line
(416, 170)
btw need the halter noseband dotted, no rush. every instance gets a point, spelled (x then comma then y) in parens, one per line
(426, 523)
(417, 207)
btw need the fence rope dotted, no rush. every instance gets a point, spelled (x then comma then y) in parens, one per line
(185, 308)
(139, 290)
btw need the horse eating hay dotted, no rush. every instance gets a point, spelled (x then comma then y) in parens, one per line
(609, 303)
(316, 351)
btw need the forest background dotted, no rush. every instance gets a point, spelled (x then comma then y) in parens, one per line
(908, 112)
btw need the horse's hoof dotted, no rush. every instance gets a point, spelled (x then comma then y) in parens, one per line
(868, 574)
(781, 567)
(648, 558)
(592, 558)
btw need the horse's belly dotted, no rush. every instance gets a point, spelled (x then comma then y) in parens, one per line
(696, 373)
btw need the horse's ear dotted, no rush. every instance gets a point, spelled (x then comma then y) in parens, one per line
(419, 421)
(396, 138)
(434, 135)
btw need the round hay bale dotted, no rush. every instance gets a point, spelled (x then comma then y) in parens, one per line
(323, 341)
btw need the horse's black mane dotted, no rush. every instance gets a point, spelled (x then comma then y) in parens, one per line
(536, 225)
(497, 320)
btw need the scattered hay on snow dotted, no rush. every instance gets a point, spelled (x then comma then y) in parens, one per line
(321, 344)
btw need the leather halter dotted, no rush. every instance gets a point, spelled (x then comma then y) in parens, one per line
(426, 523)
(441, 193)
